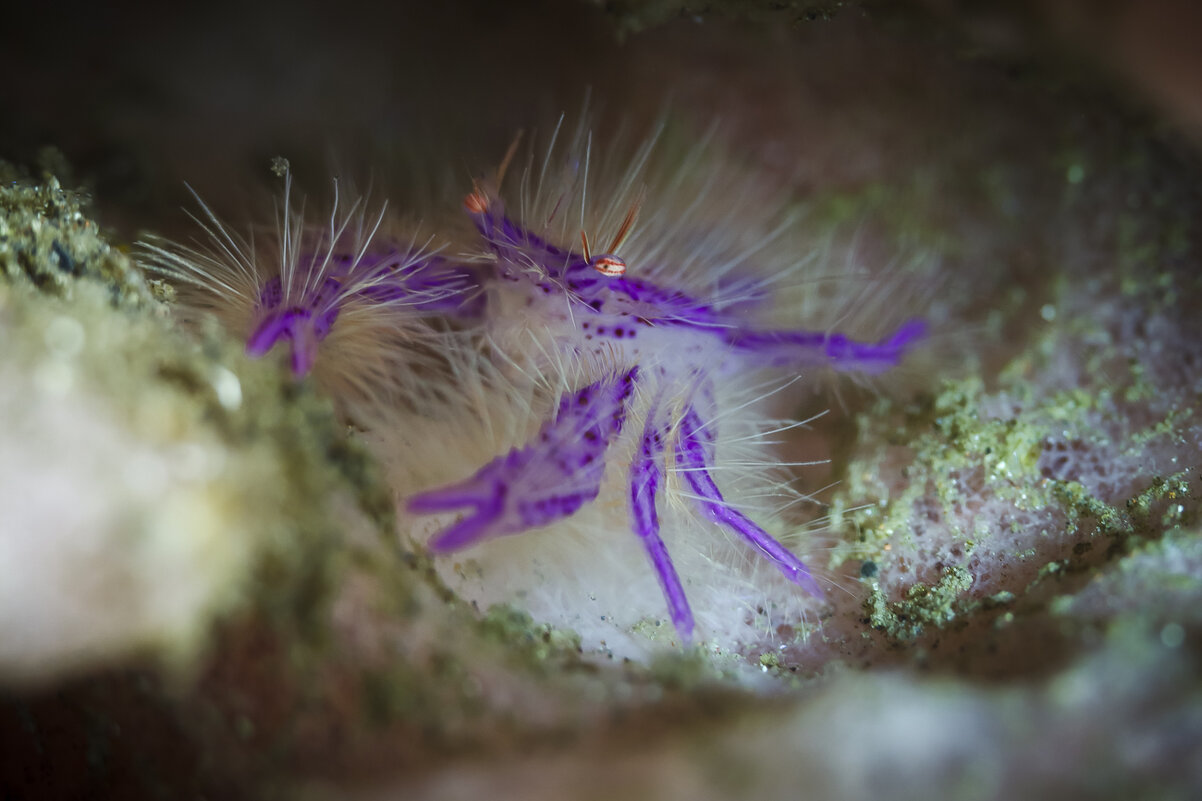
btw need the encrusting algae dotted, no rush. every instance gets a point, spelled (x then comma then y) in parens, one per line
(235, 572)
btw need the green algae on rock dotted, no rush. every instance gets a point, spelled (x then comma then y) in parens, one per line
(46, 238)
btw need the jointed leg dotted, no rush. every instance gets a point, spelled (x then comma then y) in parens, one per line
(645, 475)
(693, 459)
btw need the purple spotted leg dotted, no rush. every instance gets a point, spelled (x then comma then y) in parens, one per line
(547, 480)
(645, 475)
(693, 456)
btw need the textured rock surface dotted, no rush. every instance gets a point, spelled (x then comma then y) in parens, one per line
(201, 595)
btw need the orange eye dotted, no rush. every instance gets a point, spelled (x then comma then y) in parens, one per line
(610, 265)
(476, 202)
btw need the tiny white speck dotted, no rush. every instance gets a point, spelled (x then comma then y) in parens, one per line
(228, 388)
(1172, 635)
(1048, 312)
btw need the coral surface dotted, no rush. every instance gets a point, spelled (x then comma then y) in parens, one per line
(206, 587)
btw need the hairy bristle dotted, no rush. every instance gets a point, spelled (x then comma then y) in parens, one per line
(693, 499)
(360, 303)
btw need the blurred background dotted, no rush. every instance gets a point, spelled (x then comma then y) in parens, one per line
(138, 98)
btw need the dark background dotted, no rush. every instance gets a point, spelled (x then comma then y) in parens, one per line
(140, 97)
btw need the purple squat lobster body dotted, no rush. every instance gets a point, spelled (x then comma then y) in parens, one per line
(672, 342)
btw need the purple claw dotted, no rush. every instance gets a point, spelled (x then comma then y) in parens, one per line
(485, 496)
(645, 476)
(299, 328)
(304, 315)
(270, 330)
(549, 479)
(692, 459)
